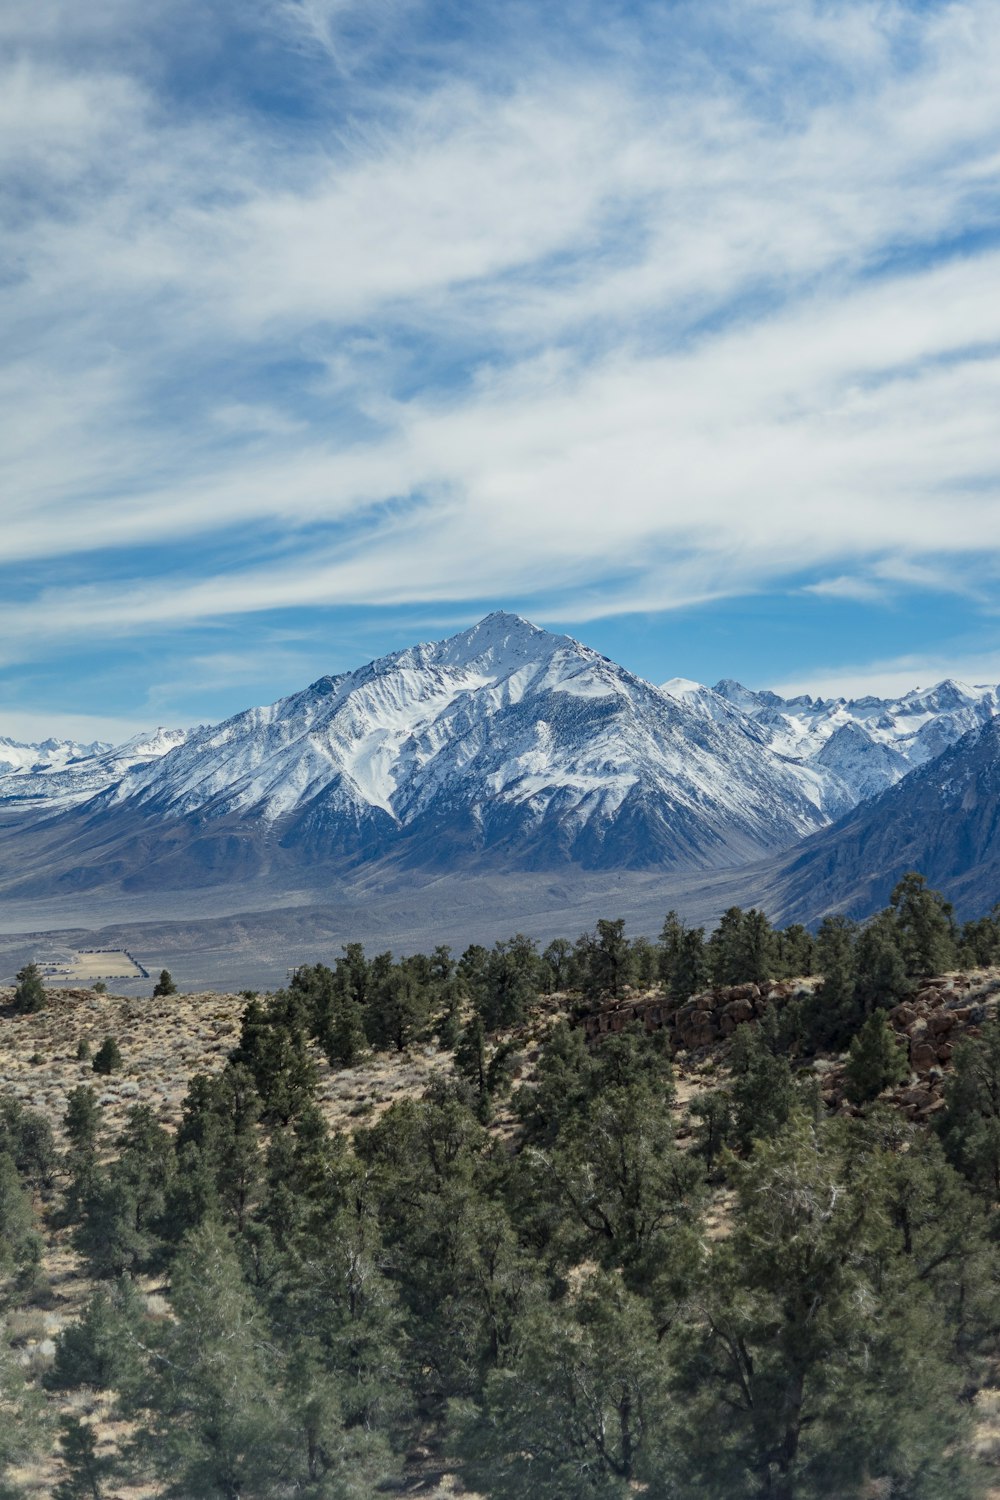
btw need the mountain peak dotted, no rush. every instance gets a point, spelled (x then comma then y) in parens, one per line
(499, 637)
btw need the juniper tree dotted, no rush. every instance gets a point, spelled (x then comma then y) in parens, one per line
(925, 926)
(880, 971)
(580, 1409)
(969, 1125)
(832, 1014)
(108, 1057)
(875, 1060)
(29, 992)
(690, 972)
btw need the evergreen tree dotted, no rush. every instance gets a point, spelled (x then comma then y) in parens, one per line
(671, 937)
(164, 985)
(508, 983)
(26, 1137)
(690, 972)
(29, 992)
(102, 1349)
(274, 1048)
(832, 1014)
(758, 948)
(980, 941)
(605, 959)
(762, 1093)
(85, 1471)
(470, 1056)
(580, 1409)
(880, 971)
(875, 1060)
(925, 926)
(558, 956)
(215, 1427)
(726, 949)
(20, 1242)
(816, 1362)
(108, 1057)
(82, 1120)
(969, 1125)
(795, 952)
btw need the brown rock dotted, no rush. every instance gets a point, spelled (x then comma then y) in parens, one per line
(738, 1011)
(922, 1055)
(940, 1021)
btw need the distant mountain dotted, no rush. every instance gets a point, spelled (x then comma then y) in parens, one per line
(59, 773)
(857, 747)
(943, 819)
(504, 747)
(16, 757)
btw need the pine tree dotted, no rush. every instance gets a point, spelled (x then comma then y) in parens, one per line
(881, 978)
(85, 1471)
(690, 972)
(969, 1126)
(164, 985)
(20, 1242)
(726, 949)
(108, 1057)
(925, 925)
(818, 1361)
(671, 937)
(875, 1060)
(29, 993)
(581, 1408)
(832, 1014)
(216, 1426)
(102, 1349)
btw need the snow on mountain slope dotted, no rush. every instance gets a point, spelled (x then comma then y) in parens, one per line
(856, 746)
(50, 755)
(59, 774)
(504, 745)
(942, 819)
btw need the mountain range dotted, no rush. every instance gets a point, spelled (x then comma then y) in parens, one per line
(506, 749)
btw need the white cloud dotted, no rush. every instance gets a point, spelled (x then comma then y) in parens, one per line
(893, 676)
(666, 347)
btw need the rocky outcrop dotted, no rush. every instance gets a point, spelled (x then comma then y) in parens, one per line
(700, 1022)
(942, 1013)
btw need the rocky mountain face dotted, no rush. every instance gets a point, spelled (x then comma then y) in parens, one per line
(507, 748)
(942, 819)
(857, 747)
(505, 745)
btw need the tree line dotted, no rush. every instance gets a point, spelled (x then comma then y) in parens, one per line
(552, 1309)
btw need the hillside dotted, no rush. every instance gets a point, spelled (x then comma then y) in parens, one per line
(661, 1071)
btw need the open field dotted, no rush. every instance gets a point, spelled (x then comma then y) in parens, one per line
(72, 966)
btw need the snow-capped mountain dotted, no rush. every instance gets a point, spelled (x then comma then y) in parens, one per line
(942, 819)
(50, 755)
(860, 746)
(504, 745)
(59, 773)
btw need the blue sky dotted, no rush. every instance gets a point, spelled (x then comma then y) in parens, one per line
(330, 326)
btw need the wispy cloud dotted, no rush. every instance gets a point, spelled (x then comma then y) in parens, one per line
(624, 323)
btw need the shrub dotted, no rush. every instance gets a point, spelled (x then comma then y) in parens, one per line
(108, 1057)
